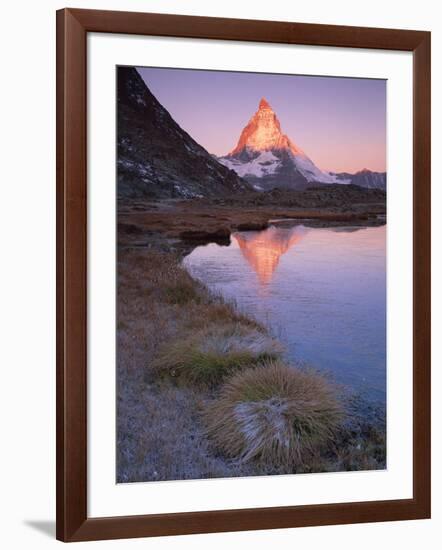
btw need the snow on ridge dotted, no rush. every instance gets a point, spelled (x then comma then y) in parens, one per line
(311, 172)
(263, 165)
(267, 163)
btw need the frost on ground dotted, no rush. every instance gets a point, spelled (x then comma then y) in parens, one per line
(169, 328)
(160, 432)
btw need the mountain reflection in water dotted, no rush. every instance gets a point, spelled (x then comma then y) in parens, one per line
(322, 291)
(263, 249)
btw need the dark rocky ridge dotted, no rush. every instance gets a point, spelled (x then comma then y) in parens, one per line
(335, 197)
(366, 178)
(156, 157)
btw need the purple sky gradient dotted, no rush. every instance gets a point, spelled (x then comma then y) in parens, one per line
(340, 123)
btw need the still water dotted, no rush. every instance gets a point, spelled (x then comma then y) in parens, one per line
(322, 291)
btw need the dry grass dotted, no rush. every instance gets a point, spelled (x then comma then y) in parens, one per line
(160, 436)
(209, 355)
(218, 217)
(276, 413)
(181, 293)
(162, 433)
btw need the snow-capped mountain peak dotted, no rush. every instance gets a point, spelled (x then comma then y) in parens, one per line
(267, 158)
(263, 133)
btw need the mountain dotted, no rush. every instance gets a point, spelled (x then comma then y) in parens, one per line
(364, 178)
(267, 158)
(156, 158)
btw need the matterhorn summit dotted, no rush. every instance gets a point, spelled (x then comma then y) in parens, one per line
(263, 133)
(267, 158)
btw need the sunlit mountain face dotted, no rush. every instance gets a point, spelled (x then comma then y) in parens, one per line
(263, 133)
(263, 249)
(267, 158)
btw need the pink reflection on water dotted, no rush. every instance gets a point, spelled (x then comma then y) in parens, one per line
(263, 249)
(321, 290)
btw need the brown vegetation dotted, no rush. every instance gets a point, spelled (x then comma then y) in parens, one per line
(213, 220)
(279, 414)
(183, 352)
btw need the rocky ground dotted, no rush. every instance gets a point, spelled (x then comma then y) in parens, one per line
(142, 222)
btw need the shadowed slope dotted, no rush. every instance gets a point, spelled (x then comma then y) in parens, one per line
(156, 157)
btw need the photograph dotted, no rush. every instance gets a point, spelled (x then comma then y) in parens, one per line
(251, 277)
(220, 287)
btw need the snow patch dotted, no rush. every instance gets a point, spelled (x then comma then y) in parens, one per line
(311, 172)
(263, 165)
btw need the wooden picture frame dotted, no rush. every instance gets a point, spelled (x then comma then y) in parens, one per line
(73, 523)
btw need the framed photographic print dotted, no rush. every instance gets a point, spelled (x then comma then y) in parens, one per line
(243, 274)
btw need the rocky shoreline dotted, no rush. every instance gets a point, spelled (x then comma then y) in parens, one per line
(199, 221)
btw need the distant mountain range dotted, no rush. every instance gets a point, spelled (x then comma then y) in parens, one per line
(156, 158)
(364, 178)
(267, 158)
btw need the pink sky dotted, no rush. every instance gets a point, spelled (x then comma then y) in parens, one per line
(340, 123)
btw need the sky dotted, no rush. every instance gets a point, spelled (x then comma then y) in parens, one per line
(340, 123)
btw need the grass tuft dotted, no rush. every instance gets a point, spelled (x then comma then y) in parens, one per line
(275, 413)
(207, 356)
